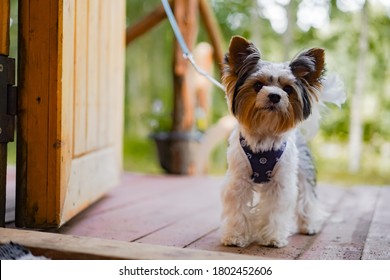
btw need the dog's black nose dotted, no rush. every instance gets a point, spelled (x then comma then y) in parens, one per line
(274, 98)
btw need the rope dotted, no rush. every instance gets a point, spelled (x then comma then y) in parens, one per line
(186, 52)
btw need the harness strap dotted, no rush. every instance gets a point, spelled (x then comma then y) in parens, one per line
(262, 163)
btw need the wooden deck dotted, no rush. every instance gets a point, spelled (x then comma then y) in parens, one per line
(184, 212)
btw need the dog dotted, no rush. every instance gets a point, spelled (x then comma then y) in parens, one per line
(269, 191)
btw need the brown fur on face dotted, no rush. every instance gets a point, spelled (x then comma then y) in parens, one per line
(296, 83)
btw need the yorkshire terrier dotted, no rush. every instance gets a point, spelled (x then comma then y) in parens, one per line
(269, 190)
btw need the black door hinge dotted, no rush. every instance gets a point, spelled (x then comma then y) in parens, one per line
(8, 99)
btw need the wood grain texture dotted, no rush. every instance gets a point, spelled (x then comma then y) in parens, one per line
(68, 59)
(139, 217)
(377, 245)
(4, 26)
(59, 246)
(103, 89)
(98, 116)
(118, 77)
(189, 228)
(298, 244)
(83, 190)
(93, 64)
(344, 234)
(38, 69)
(81, 78)
(60, 124)
(184, 212)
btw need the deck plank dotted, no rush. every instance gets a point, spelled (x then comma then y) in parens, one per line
(133, 188)
(186, 230)
(143, 217)
(184, 212)
(344, 234)
(64, 247)
(377, 245)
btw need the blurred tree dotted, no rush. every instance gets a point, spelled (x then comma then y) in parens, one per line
(355, 134)
(148, 73)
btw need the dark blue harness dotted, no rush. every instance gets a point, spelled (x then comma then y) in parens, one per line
(262, 163)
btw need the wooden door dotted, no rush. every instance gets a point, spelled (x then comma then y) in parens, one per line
(71, 84)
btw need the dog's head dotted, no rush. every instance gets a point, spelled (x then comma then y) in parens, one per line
(271, 98)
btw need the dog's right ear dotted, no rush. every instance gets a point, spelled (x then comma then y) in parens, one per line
(240, 62)
(242, 57)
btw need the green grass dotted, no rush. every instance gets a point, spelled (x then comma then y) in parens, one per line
(337, 172)
(140, 155)
(332, 165)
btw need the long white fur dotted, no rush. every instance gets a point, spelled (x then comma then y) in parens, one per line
(269, 213)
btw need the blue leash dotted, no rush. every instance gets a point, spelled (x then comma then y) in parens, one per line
(186, 52)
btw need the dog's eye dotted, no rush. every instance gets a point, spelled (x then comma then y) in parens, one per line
(288, 89)
(257, 86)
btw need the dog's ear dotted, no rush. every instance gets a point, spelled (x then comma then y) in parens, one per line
(240, 61)
(309, 65)
(242, 56)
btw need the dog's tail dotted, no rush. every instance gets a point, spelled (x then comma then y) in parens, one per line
(333, 92)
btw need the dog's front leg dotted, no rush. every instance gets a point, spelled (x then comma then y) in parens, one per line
(276, 210)
(237, 197)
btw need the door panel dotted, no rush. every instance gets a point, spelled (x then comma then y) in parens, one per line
(75, 155)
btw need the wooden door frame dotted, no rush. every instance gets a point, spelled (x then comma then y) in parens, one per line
(39, 88)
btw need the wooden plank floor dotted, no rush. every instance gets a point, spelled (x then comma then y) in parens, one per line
(184, 212)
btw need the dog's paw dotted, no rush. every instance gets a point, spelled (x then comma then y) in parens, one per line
(231, 240)
(276, 243)
(309, 229)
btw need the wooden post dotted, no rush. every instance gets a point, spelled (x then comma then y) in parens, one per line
(183, 111)
(4, 26)
(213, 31)
(146, 23)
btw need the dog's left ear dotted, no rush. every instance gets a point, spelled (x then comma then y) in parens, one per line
(309, 65)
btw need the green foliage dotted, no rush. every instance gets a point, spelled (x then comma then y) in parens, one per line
(140, 155)
(332, 164)
(149, 73)
(148, 69)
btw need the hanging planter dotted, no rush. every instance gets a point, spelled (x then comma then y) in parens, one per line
(169, 147)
